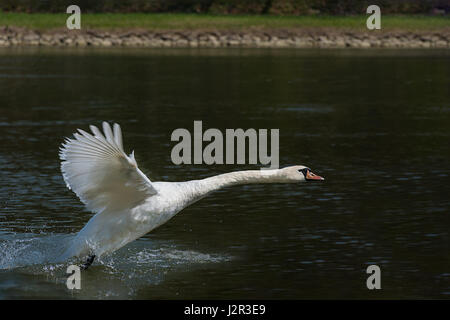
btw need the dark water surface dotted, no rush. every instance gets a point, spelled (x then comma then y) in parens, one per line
(374, 123)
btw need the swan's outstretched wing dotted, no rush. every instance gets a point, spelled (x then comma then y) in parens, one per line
(97, 169)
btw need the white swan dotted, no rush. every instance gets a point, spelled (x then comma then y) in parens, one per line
(127, 205)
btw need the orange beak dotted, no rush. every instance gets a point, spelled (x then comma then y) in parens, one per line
(312, 176)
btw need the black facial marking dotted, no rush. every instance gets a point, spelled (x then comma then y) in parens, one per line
(304, 171)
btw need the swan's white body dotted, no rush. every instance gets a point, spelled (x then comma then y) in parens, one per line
(127, 205)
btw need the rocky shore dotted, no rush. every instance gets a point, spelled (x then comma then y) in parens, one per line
(292, 38)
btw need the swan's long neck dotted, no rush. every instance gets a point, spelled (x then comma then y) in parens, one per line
(201, 188)
(243, 177)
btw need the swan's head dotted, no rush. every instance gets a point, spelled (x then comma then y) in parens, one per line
(299, 173)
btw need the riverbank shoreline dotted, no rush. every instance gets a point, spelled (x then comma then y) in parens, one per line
(248, 38)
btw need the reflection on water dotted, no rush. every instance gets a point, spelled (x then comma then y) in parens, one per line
(374, 123)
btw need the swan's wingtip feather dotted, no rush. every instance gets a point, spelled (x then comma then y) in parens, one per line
(89, 166)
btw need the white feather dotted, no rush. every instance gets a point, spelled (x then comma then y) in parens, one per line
(100, 173)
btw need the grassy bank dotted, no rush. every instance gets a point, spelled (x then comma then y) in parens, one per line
(193, 21)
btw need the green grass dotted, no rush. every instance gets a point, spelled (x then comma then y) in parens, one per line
(193, 21)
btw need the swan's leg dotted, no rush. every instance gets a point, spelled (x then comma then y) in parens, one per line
(88, 262)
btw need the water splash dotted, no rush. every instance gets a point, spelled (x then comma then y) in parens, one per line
(30, 262)
(175, 256)
(19, 250)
